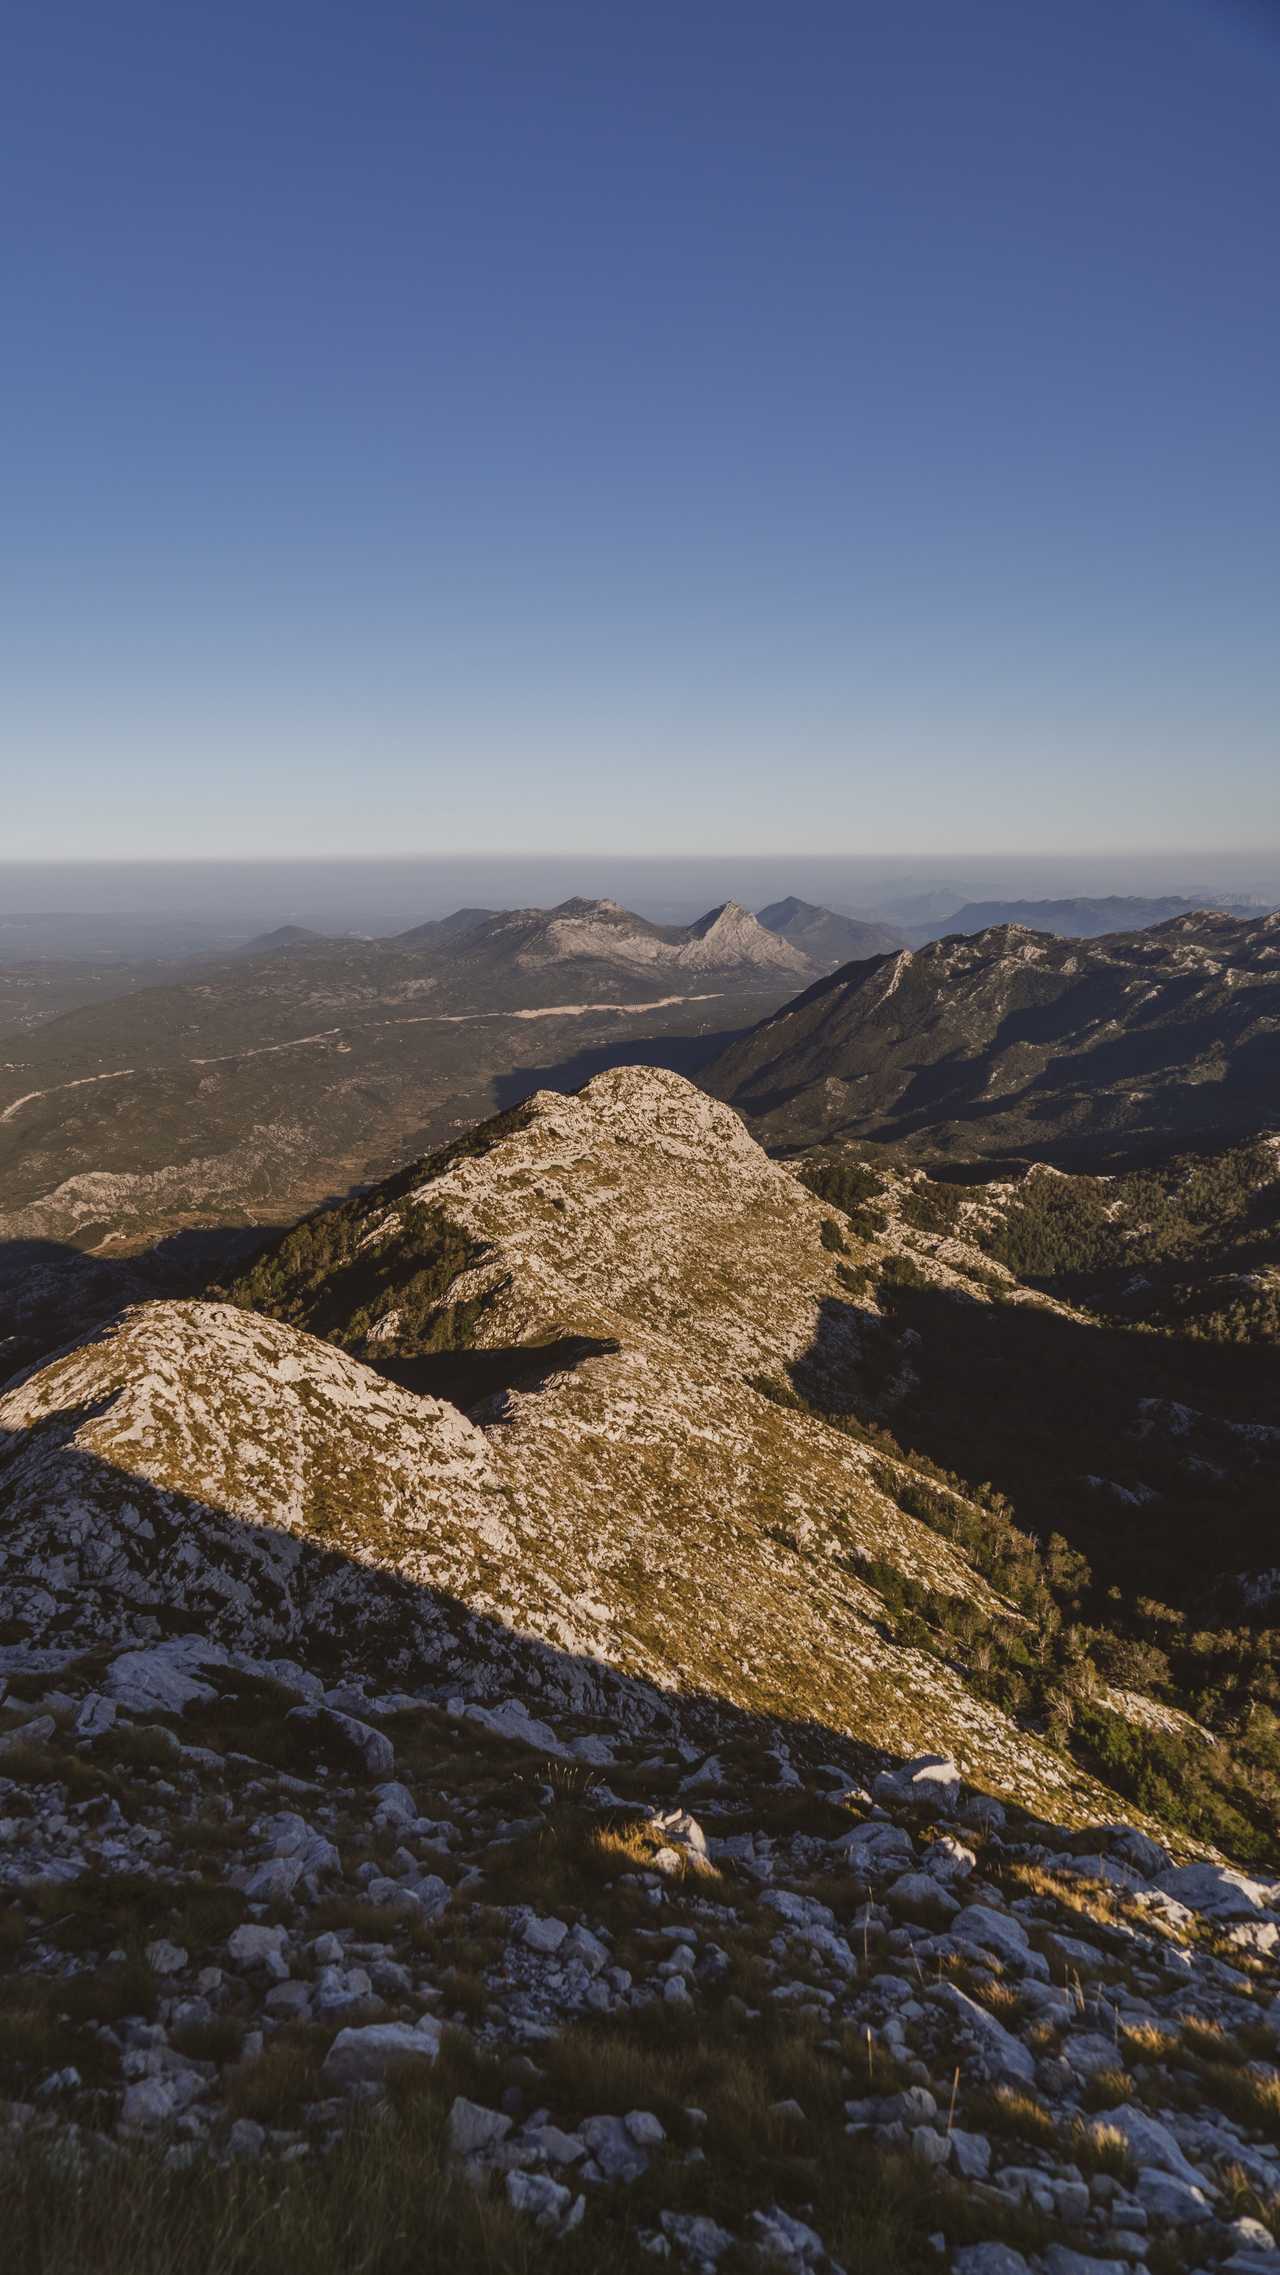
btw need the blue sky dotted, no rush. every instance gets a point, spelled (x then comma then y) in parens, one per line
(667, 425)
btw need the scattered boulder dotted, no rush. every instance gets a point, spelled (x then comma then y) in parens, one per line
(1218, 1891)
(1151, 2141)
(931, 1781)
(367, 2054)
(1000, 2055)
(988, 2259)
(473, 2129)
(260, 1947)
(543, 1935)
(166, 1678)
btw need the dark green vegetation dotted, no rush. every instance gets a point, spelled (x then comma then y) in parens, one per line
(1192, 1244)
(1127, 1458)
(392, 1304)
(1010, 1043)
(325, 1277)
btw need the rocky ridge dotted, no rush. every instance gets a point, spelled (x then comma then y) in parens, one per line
(1014, 1042)
(453, 1699)
(665, 1282)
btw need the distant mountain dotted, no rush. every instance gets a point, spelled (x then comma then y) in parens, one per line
(729, 938)
(622, 947)
(455, 927)
(518, 943)
(284, 936)
(827, 939)
(1014, 1042)
(1076, 919)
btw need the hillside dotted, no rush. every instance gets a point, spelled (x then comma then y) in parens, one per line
(1012, 1043)
(283, 936)
(605, 1281)
(521, 1729)
(1125, 1421)
(827, 939)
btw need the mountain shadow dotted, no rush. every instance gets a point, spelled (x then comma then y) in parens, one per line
(260, 1592)
(52, 1292)
(1157, 1456)
(475, 1379)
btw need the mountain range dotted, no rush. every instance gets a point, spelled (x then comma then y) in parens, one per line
(1010, 1042)
(1077, 918)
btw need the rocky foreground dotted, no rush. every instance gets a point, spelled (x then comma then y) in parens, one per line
(703, 1995)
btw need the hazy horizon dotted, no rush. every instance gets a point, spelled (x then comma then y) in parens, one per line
(160, 905)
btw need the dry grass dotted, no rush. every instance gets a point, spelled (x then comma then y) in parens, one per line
(1000, 1999)
(140, 1745)
(101, 1909)
(387, 2202)
(355, 1915)
(29, 1763)
(217, 2040)
(574, 1852)
(1106, 2089)
(1010, 2112)
(1249, 2095)
(1241, 2199)
(41, 2030)
(1209, 2042)
(1101, 2148)
(464, 1991)
(1092, 1900)
(1147, 2041)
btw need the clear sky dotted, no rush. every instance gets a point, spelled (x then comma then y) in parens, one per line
(679, 425)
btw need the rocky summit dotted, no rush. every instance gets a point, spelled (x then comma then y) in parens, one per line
(508, 1738)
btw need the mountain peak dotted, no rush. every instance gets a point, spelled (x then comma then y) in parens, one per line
(826, 938)
(730, 934)
(284, 936)
(729, 914)
(780, 914)
(579, 904)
